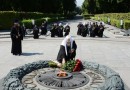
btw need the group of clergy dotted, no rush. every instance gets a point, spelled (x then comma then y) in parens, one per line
(57, 30)
(67, 49)
(18, 32)
(92, 30)
(36, 31)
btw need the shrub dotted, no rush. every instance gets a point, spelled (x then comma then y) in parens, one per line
(115, 22)
(7, 18)
(127, 25)
(115, 19)
(115, 15)
(27, 23)
(88, 16)
(104, 19)
(38, 22)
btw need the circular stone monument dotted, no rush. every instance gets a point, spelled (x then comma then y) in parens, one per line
(39, 76)
(71, 81)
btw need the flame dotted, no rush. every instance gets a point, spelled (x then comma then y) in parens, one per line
(62, 73)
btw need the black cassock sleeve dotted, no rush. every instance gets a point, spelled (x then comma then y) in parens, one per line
(74, 46)
(13, 33)
(61, 54)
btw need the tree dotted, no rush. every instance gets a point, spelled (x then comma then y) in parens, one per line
(68, 6)
(90, 6)
(78, 10)
(45, 6)
(106, 6)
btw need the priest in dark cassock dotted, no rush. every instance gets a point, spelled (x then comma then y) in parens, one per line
(92, 33)
(101, 30)
(67, 50)
(16, 37)
(44, 28)
(35, 32)
(84, 30)
(54, 30)
(60, 30)
(96, 29)
(67, 30)
(80, 25)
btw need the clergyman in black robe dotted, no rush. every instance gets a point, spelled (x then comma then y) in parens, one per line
(84, 30)
(67, 30)
(36, 32)
(101, 30)
(67, 50)
(54, 30)
(80, 25)
(92, 33)
(60, 30)
(96, 29)
(16, 37)
(44, 28)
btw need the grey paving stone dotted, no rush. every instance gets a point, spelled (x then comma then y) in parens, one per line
(112, 52)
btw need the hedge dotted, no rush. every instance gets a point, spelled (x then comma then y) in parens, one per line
(127, 25)
(38, 22)
(125, 16)
(7, 18)
(115, 19)
(87, 16)
(115, 22)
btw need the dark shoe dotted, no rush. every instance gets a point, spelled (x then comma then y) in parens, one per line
(14, 54)
(19, 54)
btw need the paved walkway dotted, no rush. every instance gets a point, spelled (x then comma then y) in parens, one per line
(112, 52)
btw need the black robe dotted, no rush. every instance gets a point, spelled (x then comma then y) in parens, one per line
(60, 31)
(16, 42)
(69, 56)
(92, 33)
(35, 32)
(53, 31)
(44, 29)
(67, 30)
(79, 29)
(96, 30)
(101, 30)
(84, 31)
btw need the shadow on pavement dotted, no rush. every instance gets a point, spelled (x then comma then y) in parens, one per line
(31, 54)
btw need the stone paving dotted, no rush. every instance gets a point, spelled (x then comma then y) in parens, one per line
(112, 52)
